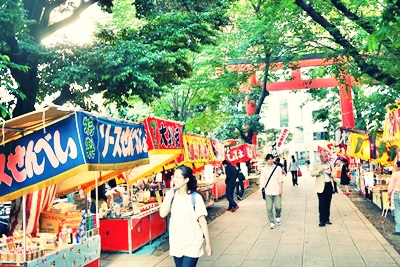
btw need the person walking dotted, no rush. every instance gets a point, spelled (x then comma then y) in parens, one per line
(188, 225)
(239, 182)
(322, 171)
(272, 180)
(284, 164)
(231, 175)
(394, 196)
(278, 162)
(345, 176)
(293, 168)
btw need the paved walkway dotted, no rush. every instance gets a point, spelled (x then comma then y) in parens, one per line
(243, 238)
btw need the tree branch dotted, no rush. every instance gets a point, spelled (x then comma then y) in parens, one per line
(353, 17)
(43, 33)
(372, 70)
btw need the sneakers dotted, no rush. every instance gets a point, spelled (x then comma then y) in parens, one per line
(271, 226)
(234, 209)
(278, 221)
(239, 197)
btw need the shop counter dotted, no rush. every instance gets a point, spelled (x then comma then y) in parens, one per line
(86, 254)
(380, 196)
(128, 234)
(219, 188)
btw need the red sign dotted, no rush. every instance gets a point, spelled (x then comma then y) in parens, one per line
(241, 153)
(163, 134)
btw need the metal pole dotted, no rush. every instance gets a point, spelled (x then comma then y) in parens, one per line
(24, 225)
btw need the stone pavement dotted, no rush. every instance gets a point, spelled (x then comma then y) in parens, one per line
(243, 238)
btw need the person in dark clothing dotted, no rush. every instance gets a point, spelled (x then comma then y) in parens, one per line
(230, 181)
(239, 182)
(278, 162)
(102, 197)
(345, 176)
(285, 164)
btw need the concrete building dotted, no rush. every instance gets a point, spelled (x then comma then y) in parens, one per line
(288, 109)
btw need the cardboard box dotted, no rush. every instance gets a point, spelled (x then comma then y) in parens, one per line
(53, 222)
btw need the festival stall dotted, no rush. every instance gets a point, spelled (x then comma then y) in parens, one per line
(198, 152)
(53, 146)
(375, 151)
(140, 222)
(241, 153)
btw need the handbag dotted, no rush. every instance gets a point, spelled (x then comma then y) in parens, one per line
(299, 174)
(263, 189)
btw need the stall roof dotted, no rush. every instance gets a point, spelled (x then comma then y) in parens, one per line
(55, 145)
(18, 127)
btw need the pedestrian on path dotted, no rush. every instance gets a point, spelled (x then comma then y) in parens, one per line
(345, 176)
(394, 195)
(188, 223)
(278, 162)
(322, 171)
(231, 175)
(239, 182)
(293, 167)
(272, 180)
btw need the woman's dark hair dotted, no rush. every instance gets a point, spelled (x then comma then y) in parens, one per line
(112, 183)
(188, 173)
(345, 161)
(293, 159)
(101, 191)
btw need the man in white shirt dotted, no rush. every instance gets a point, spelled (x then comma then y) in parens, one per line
(272, 174)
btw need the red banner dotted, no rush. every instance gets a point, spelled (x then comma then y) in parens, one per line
(163, 134)
(282, 137)
(241, 153)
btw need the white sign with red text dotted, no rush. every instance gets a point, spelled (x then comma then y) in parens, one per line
(282, 137)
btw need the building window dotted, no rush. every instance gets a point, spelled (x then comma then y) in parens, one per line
(320, 136)
(284, 112)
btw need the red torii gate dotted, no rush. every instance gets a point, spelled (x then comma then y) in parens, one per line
(297, 83)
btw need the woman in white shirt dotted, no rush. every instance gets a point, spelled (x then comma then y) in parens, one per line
(188, 225)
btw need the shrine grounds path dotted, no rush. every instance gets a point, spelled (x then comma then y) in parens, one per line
(243, 238)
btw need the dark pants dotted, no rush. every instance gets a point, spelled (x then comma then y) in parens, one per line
(229, 196)
(324, 201)
(185, 261)
(240, 191)
(294, 177)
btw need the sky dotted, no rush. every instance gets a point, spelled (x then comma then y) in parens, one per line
(82, 30)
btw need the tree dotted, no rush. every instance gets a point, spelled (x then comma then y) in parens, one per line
(364, 33)
(24, 24)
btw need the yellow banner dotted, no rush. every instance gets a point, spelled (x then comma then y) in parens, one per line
(358, 146)
(197, 149)
(391, 127)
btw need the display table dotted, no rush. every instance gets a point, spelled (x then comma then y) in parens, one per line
(85, 254)
(206, 191)
(131, 233)
(380, 195)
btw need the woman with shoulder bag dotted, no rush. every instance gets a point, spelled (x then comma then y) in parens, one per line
(293, 168)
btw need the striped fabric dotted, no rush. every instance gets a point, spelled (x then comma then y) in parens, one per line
(36, 202)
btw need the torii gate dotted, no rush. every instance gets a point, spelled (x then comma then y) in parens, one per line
(297, 83)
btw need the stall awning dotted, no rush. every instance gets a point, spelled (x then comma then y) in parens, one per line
(164, 140)
(50, 146)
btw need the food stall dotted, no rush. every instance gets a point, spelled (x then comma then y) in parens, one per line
(141, 223)
(56, 146)
(241, 153)
(198, 152)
